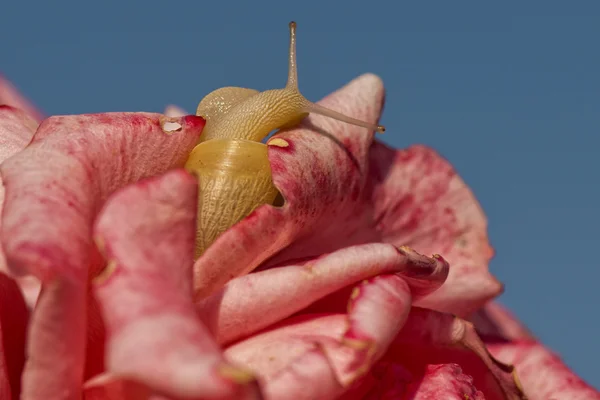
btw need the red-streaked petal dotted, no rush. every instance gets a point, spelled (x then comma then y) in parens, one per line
(444, 381)
(495, 321)
(342, 189)
(54, 188)
(255, 301)
(147, 232)
(13, 324)
(420, 201)
(110, 387)
(431, 337)
(542, 373)
(10, 96)
(319, 357)
(16, 130)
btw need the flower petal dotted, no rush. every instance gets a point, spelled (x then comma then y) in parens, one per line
(420, 201)
(342, 189)
(54, 188)
(16, 130)
(255, 301)
(147, 232)
(444, 381)
(430, 337)
(10, 96)
(13, 323)
(495, 321)
(319, 357)
(542, 373)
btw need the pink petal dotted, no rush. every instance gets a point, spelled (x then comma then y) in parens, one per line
(319, 357)
(10, 96)
(255, 301)
(110, 387)
(16, 130)
(420, 201)
(13, 323)
(54, 188)
(430, 337)
(496, 321)
(445, 381)
(342, 189)
(147, 232)
(542, 373)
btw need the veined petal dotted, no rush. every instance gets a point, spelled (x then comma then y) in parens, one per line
(13, 323)
(10, 96)
(431, 337)
(54, 188)
(16, 130)
(543, 375)
(445, 381)
(320, 356)
(342, 189)
(420, 201)
(147, 232)
(255, 301)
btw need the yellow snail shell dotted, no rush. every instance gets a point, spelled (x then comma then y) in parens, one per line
(230, 160)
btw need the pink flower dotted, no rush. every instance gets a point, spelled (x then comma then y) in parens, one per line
(98, 209)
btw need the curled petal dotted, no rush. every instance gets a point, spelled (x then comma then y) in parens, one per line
(13, 323)
(255, 301)
(110, 387)
(342, 189)
(543, 375)
(16, 130)
(420, 201)
(431, 337)
(10, 96)
(174, 111)
(54, 188)
(147, 232)
(320, 356)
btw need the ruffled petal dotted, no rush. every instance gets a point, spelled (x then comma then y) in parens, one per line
(420, 201)
(10, 96)
(342, 189)
(255, 301)
(16, 130)
(444, 381)
(431, 337)
(319, 356)
(147, 232)
(542, 373)
(13, 324)
(54, 188)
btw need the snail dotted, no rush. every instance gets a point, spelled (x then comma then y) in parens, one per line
(231, 161)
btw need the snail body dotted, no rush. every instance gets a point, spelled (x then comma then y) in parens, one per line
(230, 160)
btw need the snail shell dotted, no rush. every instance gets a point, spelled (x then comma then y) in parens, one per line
(230, 160)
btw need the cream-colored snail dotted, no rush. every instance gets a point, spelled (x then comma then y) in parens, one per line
(231, 161)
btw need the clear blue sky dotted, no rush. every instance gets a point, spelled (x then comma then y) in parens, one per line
(509, 92)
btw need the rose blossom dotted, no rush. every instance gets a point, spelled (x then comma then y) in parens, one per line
(338, 304)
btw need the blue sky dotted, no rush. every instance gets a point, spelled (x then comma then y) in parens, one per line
(509, 92)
